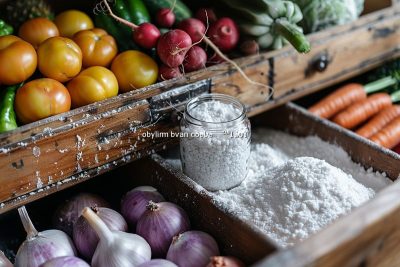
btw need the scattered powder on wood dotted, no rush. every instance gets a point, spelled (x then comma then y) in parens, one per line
(297, 186)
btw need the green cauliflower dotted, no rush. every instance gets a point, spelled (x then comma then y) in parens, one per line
(322, 14)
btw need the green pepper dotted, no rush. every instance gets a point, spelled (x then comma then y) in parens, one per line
(272, 23)
(5, 29)
(8, 120)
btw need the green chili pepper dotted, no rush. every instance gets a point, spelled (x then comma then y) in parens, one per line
(8, 120)
(5, 29)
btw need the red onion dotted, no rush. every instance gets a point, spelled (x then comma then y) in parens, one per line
(116, 248)
(4, 262)
(158, 263)
(40, 247)
(86, 239)
(165, 18)
(160, 223)
(220, 261)
(133, 205)
(67, 261)
(192, 248)
(68, 213)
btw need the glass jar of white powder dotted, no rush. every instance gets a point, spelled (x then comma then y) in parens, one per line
(215, 141)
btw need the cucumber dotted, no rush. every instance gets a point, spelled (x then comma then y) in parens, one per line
(137, 11)
(181, 11)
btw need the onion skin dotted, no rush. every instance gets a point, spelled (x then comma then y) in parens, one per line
(158, 263)
(134, 203)
(173, 46)
(220, 261)
(68, 213)
(86, 239)
(192, 248)
(4, 262)
(160, 223)
(68, 261)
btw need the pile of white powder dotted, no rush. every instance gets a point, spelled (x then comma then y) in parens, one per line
(297, 186)
(210, 155)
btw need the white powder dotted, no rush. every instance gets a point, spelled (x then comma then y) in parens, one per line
(290, 194)
(214, 111)
(216, 157)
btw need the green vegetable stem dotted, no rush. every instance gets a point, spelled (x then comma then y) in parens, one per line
(5, 29)
(8, 120)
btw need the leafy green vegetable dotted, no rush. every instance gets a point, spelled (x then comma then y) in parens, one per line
(272, 23)
(322, 14)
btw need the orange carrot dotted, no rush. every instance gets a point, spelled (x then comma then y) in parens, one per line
(379, 121)
(362, 110)
(389, 136)
(339, 100)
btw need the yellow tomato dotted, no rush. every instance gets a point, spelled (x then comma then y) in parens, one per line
(72, 21)
(92, 85)
(59, 58)
(37, 30)
(98, 48)
(40, 99)
(134, 70)
(18, 60)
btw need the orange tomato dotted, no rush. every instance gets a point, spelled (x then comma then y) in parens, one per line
(92, 85)
(98, 48)
(134, 70)
(72, 21)
(41, 98)
(37, 30)
(18, 60)
(59, 58)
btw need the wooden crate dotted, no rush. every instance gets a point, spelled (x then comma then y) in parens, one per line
(52, 154)
(369, 236)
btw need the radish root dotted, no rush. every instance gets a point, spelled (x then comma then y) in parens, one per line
(233, 63)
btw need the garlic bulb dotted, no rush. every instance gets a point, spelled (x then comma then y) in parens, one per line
(116, 248)
(40, 247)
(4, 262)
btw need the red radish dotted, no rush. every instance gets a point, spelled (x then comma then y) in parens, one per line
(249, 47)
(173, 46)
(206, 15)
(196, 59)
(194, 27)
(224, 34)
(165, 17)
(167, 73)
(146, 34)
(397, 149)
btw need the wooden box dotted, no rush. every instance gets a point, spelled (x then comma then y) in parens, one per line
(368, 236)
(52, 154)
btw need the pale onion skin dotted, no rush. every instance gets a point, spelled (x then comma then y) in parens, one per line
(67, 261)
(68, 212)
(221, 261)
(160, 223)
(158, 263)
(116, 248)
(134, 203)
(4, 262)
(86, 239)
(192, 248)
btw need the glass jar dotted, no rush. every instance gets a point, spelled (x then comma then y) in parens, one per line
(215, 141)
